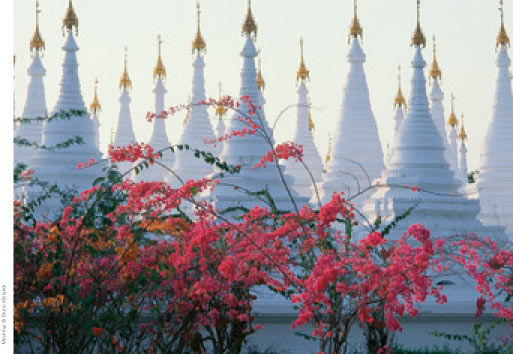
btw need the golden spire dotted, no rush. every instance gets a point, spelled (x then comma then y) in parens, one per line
(462, 135)
(95, 106)
(111, 135)
(220, 109)
(435, 71)
(260, 79)
(198, 43)
(249, 25)
(311, 124)
(356, 29)
(418, 38)
(502, 38)
(70, 19)
(159, 71)
(399, 98)
(125, 82)
(37, 42)
(328, 154)
(452, 121)
(302, 72)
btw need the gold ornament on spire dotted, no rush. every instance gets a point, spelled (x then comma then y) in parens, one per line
(328, 154)
(418, 38)
(356, 29)
(220, 109)
(502, 38)
(249, 27)
(160, 71)
(260, 79)
(302, 73)
(435, 71)
(198, 43)
(125, 82)
(462, 135)
(311, 124)
(37, 44)
(452, 121)
(399, 98)
(95, 106)
(70, 19)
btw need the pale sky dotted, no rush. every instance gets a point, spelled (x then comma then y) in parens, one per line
(465, 31)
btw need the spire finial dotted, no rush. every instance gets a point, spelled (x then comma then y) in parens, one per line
(356, 29)
(198, 43)
(260, 79)
(125, 83)
(70, 19)
(435, 71)
(220, 109)
(95, 106)
(462, 135)
(302, 73)
(111, 135)
(399, 98)
(502, 38)
(37, 42)
(160, 71)
(249, 27)
(452, 121)
(418, 38)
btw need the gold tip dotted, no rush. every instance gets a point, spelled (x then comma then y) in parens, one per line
(356, 29)
(95, 106)
(435, 71)
(37, 42)
(70, 19)
(260, 79)
(418, 38)
(452, 121)
(502, 38)
(220, 109)
(311, 124)
(302, 73)
(198, 43)
(399, 98)
(462, 135)
(249, 27)
(159, 72)
(125, 82)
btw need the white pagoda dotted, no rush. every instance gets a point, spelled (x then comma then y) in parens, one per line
(247, 151)
(418, 160)
(35, 105)
(357, 156)
(124, 132)
(60, 165)
(452, 142)
(159, 139)
(95, 108)
(198, 128)
(495, 179)
(304, 179)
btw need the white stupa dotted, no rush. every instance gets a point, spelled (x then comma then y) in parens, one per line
(60, 165)
(247, 151)
(198, 127)
(418, 159)
(159, 139)
(35, 105)
(303, 182)
(438, 113)
(124, 131)
(495, 179)
(357, 157)
(95, 109)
